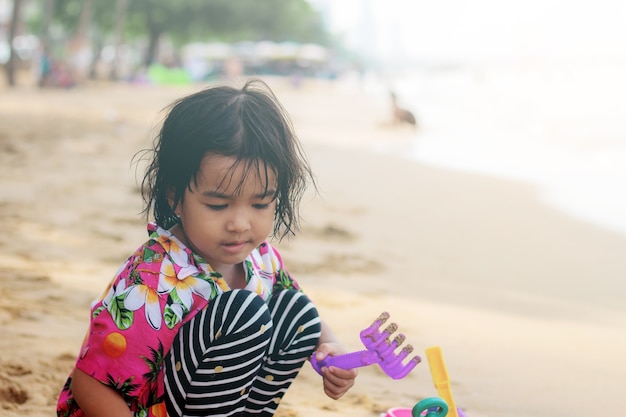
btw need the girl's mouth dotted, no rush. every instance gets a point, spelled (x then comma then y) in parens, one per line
(234, 247)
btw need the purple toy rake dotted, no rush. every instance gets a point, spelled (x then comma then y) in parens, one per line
(379, 349)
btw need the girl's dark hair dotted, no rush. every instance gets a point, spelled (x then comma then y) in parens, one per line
(248, 124)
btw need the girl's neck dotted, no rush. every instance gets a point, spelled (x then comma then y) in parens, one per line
(234, 275)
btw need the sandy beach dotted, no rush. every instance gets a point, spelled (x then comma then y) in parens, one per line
(527, 303)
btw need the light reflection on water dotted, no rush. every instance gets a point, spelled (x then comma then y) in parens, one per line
(560, 127)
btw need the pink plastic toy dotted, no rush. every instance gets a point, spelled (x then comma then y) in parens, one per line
(379, 349)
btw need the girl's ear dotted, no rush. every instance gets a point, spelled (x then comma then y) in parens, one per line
(170, 198)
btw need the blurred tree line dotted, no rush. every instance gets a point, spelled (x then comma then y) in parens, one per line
(113, 22)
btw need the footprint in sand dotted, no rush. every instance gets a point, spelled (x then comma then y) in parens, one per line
(329, 232)
(10, 391)
(337, 260)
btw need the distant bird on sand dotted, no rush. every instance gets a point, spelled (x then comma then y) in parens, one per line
(401, 115)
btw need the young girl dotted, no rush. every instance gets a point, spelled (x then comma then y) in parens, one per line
(203, 319)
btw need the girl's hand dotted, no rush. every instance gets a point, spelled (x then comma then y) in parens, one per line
(337, 381)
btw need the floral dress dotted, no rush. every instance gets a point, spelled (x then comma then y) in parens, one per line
(133, 324)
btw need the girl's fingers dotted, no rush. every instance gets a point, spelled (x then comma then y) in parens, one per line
(338, 381)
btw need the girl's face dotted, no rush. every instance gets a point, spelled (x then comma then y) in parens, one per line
(227, 213)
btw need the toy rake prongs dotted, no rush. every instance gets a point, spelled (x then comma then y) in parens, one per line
(380, 349)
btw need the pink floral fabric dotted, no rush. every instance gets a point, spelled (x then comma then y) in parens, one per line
(133, 324)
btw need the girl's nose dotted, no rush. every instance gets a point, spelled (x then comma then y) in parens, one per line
(238, 223)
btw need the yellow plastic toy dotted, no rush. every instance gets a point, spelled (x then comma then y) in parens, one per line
(441, 379)
(442, 406)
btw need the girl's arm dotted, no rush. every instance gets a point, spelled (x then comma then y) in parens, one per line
(336, 381)
(327, 336)
(96, 399)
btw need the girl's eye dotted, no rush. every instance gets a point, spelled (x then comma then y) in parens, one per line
(217, 207)
(260, 206)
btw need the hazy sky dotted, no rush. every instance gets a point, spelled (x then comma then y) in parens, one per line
(483, 29)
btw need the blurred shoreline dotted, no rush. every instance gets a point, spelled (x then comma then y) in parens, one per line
(555, 125)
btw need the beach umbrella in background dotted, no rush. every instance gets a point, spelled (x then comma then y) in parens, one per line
(210, 51)
(202, 59)
(245, 50)
(266, 50)
(313, 52)
(288, 50)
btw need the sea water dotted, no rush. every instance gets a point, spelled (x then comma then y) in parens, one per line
(559, 126)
